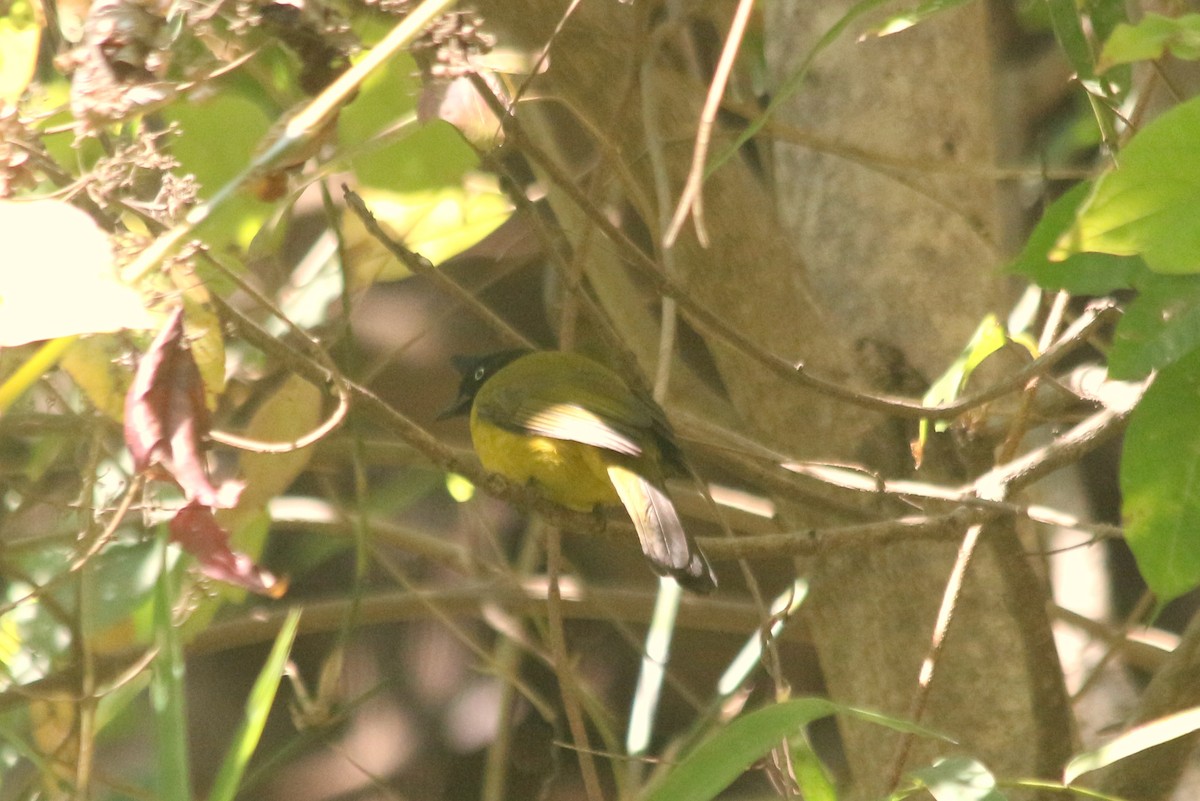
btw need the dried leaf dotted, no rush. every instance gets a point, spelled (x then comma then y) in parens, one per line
(196, 530)
(458, 102)
(166, 418)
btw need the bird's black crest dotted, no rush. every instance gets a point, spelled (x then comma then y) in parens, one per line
(476, 370)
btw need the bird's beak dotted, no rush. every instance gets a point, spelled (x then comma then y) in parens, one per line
(461, 406)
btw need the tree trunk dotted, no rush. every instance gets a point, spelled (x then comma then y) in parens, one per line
(834, 252)
(907, 257)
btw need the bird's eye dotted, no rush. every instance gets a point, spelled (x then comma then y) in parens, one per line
(480, 372)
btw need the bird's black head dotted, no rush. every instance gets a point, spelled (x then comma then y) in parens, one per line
(475, 371)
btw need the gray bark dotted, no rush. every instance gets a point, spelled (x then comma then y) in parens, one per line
(833, 253)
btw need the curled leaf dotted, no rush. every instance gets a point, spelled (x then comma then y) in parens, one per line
(166, 418)
(196, 530)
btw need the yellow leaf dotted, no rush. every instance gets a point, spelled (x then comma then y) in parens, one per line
(94, 365)
(437, 224)
(20, 35)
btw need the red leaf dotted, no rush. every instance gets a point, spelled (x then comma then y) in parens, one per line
(166, 419)
(197, 532)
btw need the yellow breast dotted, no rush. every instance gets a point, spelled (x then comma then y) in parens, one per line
(568, 472)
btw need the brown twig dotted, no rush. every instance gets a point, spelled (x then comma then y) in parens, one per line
(692, 199)
(793, 371)
(420, 265)
(996, 486)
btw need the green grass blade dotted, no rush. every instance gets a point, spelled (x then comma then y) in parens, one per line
(167, 691)
(258, 705)
(718, 761)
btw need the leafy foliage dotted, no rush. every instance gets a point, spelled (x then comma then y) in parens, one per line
(181, 170)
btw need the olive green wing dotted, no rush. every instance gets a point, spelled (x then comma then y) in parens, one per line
(593, 407)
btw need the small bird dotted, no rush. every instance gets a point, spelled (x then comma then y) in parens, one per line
(576, 430)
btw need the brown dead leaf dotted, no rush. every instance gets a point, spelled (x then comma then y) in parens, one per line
(166, 418)
(197, 532)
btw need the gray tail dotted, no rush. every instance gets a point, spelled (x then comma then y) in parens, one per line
(668, 548)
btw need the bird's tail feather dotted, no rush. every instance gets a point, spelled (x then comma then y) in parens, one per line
(667, 546)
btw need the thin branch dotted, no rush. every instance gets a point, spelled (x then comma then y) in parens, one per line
(420, 265)
(565, 670)
(467, 599)
(692, 199)
(795, 372)
(316, 435)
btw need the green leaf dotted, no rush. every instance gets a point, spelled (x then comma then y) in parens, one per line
(718, 761)
(959, 779)
(1134, 741)
(988, 338)
(1161, 326)
(1079, 273)
(812, 778)
(1153, 36)
(218, 138)
(1147, 206)
(460, 489)
(122, 582)
(1160, 480)
(905, 20)
(388, 149)
(1076, 25)
(258, 705)
(1068, 29)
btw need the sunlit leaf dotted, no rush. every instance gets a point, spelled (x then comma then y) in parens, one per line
(460, 489)
(1147, 205)
(167, 696)
(58, 278)
(1160, 496)
(906, 19)
(436, 224)
(1079, 273)
(1150, 38)
(417, 157)
(292, 410)
(202, 328)
(20, 36)
(258, 705)
(1134, 741)
(988, 338)
(959, 779)
(218, 136)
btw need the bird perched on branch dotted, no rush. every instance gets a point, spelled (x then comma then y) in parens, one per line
(576, 430)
